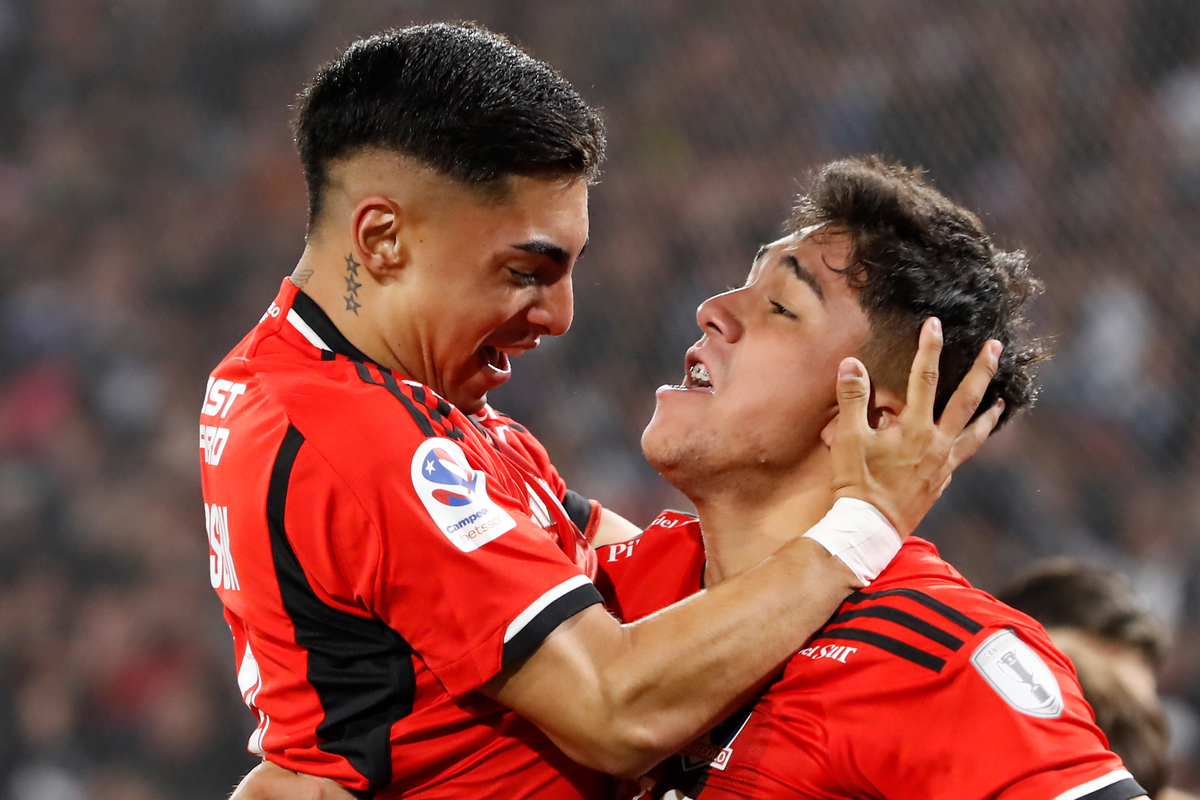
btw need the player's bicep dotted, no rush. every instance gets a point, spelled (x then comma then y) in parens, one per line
(560, 687)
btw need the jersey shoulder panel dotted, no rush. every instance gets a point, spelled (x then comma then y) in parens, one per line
(923, 643)
(650, 572)
(363, 418)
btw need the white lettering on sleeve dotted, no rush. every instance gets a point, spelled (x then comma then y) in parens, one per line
(220, 557)
(212, 443)
(220, 396)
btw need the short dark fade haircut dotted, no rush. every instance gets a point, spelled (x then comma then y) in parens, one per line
(916, 254)
(455, 97)
(1067, 593)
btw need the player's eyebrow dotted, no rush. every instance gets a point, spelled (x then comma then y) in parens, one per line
(801, 273)
(551, 251)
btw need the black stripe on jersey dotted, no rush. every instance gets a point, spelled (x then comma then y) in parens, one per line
(322, 326)
(893, 646)
(361, 670)
(578, 508)
(903, 618)
(1126, 789)
(553, 615)
(933, 604)
(389, 382)
(439, 413)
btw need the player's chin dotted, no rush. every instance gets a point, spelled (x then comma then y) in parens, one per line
(665, 448)
(471, 392)
(663, 434)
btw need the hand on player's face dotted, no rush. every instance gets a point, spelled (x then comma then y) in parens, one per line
(488, 279)
(903, 467)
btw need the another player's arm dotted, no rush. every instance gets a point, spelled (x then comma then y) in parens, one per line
(614, 528)
(621, 698)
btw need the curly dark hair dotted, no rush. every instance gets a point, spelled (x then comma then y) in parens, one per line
(916, 254)
(457, 98)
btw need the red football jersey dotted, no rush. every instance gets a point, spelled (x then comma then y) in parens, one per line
(379, 557)
(920, 687)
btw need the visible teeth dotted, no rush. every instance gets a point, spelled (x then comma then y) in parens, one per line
(699, 374)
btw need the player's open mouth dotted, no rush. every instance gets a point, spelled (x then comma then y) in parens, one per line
(496, 360)
(696, 378)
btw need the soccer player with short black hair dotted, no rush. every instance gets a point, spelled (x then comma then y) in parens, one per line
(920, 686)
(402, 568)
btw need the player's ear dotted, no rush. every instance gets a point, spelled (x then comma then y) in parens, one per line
(883, 406)
(378, 224)
(886, 406)
(829, 430)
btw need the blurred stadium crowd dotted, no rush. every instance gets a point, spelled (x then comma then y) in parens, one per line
(151, 201)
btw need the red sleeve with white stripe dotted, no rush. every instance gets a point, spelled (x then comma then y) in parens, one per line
(471, 592)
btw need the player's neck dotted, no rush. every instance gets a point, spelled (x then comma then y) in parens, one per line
(336, 282)
(741, 528)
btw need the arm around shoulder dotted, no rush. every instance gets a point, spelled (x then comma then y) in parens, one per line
(620, 698)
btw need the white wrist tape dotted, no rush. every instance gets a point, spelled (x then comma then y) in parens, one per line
(859, 535)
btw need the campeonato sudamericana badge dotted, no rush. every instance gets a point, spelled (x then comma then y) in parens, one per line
(1018, 675)
(455, 495)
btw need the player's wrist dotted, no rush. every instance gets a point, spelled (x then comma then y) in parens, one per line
(884, 502)
(858, 535)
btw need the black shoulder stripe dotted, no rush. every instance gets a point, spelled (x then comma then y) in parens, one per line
(578, 508)
(1126, 789)
(361, 670)
(904, 619)
(389, 383)
(549, 618)
(933, 604)
(893, 646)
(439, 413)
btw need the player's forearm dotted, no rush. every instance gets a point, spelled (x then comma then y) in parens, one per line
(621, 698)
(614, 528)
(686, 668)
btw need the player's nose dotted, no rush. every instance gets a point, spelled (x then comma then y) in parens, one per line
(717, 316)
(554, 308)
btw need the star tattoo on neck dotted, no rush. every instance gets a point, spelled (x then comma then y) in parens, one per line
(352, 285)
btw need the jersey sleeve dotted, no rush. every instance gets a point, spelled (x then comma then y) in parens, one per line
(1004, 718)
(584, 513)
(448, 558)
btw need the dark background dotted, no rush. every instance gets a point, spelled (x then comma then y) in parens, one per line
(151, 201)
